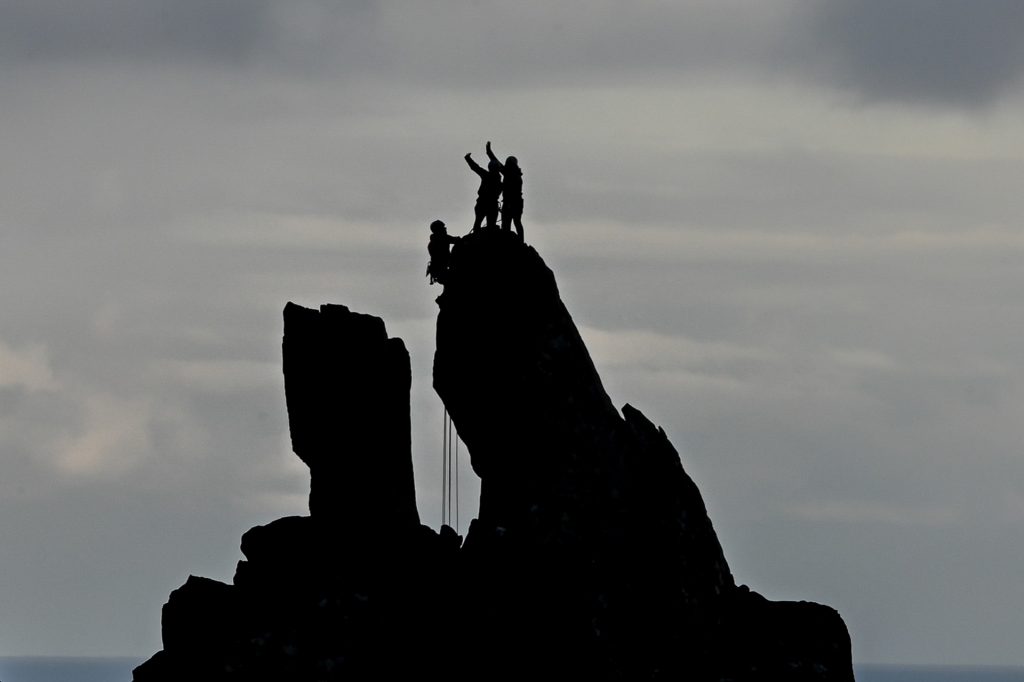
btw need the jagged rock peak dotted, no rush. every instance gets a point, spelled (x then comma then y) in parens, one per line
(559, 466)
(634, 581)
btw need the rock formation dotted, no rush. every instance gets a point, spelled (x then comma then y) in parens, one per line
(593, 555)
(347, 389)
(348, 592)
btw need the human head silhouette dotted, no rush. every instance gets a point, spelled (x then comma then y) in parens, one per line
(512, 161)
(437, 227)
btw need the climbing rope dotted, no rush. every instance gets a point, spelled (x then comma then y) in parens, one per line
(449, 472)
(444, 464)
(457, 525)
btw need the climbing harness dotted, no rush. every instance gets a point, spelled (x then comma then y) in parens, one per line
(449, 472)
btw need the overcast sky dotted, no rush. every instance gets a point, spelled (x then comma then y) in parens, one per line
(789, 232)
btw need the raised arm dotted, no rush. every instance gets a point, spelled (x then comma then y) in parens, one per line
(475, 166)
(494, 158)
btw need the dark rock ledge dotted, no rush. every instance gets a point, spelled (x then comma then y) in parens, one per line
(593, 555)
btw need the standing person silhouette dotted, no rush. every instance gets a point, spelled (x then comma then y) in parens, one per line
(512, 186)
(487, 195)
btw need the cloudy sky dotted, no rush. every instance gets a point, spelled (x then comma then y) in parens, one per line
(788, 230)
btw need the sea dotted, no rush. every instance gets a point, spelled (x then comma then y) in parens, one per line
(69, 669)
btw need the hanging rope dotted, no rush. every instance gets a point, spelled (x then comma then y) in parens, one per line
(444, 464)
(449, 471)
(457, 525)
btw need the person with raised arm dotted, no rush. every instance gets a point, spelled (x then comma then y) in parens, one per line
(487, 195)
(512, 187)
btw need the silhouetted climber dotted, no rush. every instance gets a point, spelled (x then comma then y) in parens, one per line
(437, 247)
(512, 189)
(487, 195)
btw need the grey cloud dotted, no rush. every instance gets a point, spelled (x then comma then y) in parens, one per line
(823, 193)
(576, 43)
(439, 43)
(947, 53)
(232, 32)
(57, 29)
(933, 53)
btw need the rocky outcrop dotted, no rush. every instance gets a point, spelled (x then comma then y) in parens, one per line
(593, 555)
(337, 594)
(591, 535)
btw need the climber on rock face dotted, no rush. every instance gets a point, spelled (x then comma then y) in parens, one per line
(487, 195)
(512, 188)
(437, 247)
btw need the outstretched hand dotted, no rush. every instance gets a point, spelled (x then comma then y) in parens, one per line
(488, 145)
(466, 157)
